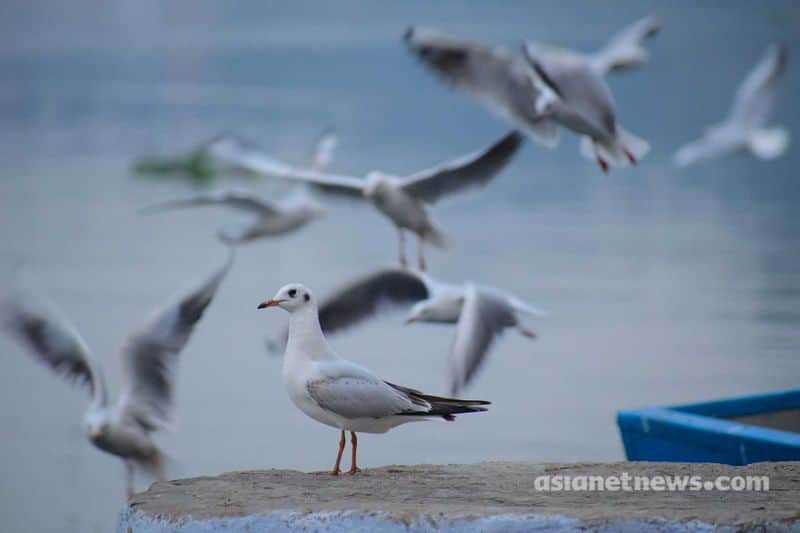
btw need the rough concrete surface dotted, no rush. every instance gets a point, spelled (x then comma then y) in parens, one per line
(478, 497)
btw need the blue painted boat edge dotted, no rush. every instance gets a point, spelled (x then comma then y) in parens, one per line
(661, 434)
(744, 405)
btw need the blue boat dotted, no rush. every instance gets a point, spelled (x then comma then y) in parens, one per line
(735, 431)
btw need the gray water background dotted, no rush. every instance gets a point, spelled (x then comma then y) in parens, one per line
(663, 286)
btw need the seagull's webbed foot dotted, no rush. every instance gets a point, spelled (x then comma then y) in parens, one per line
(630, 156)
(352, 471)
(527, 332)
(603, 164)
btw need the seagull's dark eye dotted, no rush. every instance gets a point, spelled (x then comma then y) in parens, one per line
(306, 297)
(292, 293)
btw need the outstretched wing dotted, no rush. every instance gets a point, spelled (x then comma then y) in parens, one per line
(483, 318)
(366, 296)
(150, 355)
(235, 198)
(362, 299)
(246, 156)
(469, 171)
(704, 148)
(492, 75)
(323, 150)
(624, 50)
(53, 341)
(756, 96)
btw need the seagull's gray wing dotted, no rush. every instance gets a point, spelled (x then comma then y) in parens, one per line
(323, 150)
(233, 151)
(469, 171)
(706, 147)
(150, 355)
(361, 397)
(235, 198)
(53, 341)
(624, 50)
(367, 296)
(756, 96)
(492, 75)
(575, 82)
(484, 316)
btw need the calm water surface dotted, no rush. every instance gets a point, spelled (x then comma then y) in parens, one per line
(663, 286)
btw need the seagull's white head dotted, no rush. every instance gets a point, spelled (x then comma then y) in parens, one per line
(292, 297)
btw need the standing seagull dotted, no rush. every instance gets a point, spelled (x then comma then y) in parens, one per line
(402, 199)
(524, 94)
(342, 394)
(480, 313)
(744, 128)
(149, 357)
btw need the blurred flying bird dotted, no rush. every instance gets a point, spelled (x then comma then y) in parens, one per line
(342, 394)
(480, 313)
(149, 359)
(288, 214)
(745, 126)
(401, 199)
(548, 89)
(271, 218)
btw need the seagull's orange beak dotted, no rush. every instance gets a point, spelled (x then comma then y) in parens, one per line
(270, 303)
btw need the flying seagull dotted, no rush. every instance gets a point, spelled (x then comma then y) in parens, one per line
(285, 215)
(544, 89)
(288, 214)
(342, 394)
(745, 126)
(149, 358)
(402, 199)
(480, 313)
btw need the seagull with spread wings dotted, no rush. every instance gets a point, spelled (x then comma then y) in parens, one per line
(342, 394)
(480, 313)
(401, 199)
(270, 218)
(745, 126)
(149, 358)
(543, 89)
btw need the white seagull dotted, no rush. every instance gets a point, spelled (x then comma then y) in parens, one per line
(342, 394)
(149, 358)
(549, 89)
(286, 215)
(480, 313)
(745, 126)
(401, 199)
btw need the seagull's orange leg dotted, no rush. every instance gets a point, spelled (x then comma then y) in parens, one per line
(421, 254)
(129, 479)
(336, 469)
(354, 469)
(401, 240)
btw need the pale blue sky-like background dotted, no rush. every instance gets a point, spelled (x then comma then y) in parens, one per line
(664, 286)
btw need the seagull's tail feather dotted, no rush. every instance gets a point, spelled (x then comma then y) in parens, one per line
(434, 235)
(627, 150)
(768, 143)
(447, 408)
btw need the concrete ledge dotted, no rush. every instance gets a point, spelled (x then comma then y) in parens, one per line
(480, 497)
